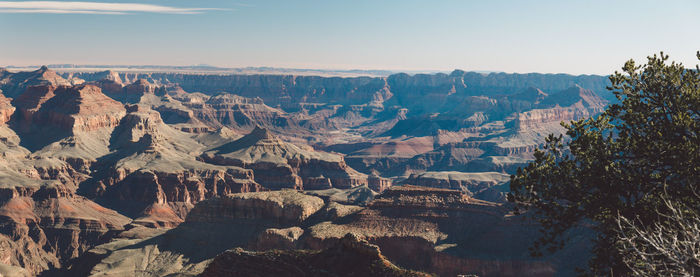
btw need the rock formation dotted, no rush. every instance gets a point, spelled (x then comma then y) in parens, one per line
(153, 172)
(279, 89)
(53, 226)
(69, 123)
(437, 231)
(144, 173)
(12, 84)
(454, 233)
(470, 183)
(81, 108)
(278, 164)
(6, 109)
(212, 227)
(351, 256)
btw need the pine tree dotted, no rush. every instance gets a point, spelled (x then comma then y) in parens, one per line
(623, 162)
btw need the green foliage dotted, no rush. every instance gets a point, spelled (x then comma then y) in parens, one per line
(621, 162)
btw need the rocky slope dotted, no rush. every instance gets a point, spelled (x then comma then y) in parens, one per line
(43, 223)
(351, 256)
(470, 183)
(6, 109)
(214, 225)
(13, 84)
(69, 123)
(398, 119)
(442, 226)
(278, 164)
(153, 174)
(430, 230)
(45, 227)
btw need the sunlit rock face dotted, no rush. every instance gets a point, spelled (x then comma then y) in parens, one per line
(278, 164)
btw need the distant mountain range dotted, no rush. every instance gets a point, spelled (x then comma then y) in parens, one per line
(204, 68)
(214, 70)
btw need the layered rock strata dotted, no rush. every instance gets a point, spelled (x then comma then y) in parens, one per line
(469, 183)
(351, 256)
(154, 165)
(278, 164)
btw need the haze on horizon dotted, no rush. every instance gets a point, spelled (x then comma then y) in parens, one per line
(583, 37)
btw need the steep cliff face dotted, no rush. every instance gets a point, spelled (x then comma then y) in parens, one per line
(278, 164)
(47, 225)
(110, 83)
(152, 172)
(425, 93)
(240, 113)
(505, 83)
(79, 109)
(67, 121)
(403, 89)
(285, 90)
(469, 183)
(43, 224)
(479, 134)
(351, 256)
(438, 231)
(441, 225)
(280, 208)
(572, 104)
(273, 89)
(6, 109)
(279, 89)
(539, 117)
(200, 113)
(214, 225)
(12, 84)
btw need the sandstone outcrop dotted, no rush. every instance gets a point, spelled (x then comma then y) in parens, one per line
(283, 207)
(425, 229)
(478, 134)
(81, 108)
(153, 172)
(572, 104)
(508, 112)
(278, 164)
(46, 226)
(469, 183)
(12, 84)
(69, 123)
(6, 109)
(111, 84)
(273, 238)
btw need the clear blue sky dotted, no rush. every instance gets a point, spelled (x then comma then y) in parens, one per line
(579, 37)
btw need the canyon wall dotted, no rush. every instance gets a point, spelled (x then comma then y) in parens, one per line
(102, 172)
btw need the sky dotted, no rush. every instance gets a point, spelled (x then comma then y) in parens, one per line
(575, 37)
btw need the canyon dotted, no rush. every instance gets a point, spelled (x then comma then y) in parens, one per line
(154, 174)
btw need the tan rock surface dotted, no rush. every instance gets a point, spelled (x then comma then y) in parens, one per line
(278, 164)
(468, 182)
(154, 165)
(285, 206)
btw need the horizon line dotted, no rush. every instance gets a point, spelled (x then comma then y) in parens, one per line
(213, 68)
